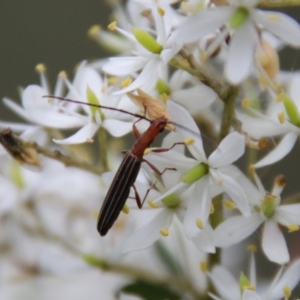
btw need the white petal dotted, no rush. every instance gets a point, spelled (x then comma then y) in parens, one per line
(241, 52)
(235, 229)
(149, 233)
(290, 278)
(17, 109)
(234, 190)
(149, 73)
(273, 243)
(283, 148)
(204, 240)
(230, 149)
(187, 127)
(279, 24)
(195, 98)
(205, 22)
(198, 207)
(225, 283)
(117, 128)
(250, 295)
(121, 66)
(288, 214)
(81, 136)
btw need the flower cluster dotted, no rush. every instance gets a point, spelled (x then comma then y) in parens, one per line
(210, 71)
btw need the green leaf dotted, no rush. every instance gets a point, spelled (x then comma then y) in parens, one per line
(147, 40)
(150, 291)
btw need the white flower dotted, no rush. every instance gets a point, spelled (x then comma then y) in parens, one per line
(242, 21)
(151, 55)
(230, 289)
(89, 84)
(204, 177)
(266, 210)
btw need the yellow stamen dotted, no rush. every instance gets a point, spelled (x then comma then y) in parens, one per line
(280, 180)
(293, 227)
(189, 141)
(249, 287)
(274, 17)
(281, 117)
(263, 144)
(89, 140)
(147, 151)
(112, 26)
(164, 97)
(152, 204)
(245, 103)
(63, 74)
(203, 266)
(40, 68)
(287, 292)
(251, 169)
(125, 209)
(252, 248)
(94, 31)
(199, 223)
(164, 232)
(112, 80)
(230, 205)
(161, 11)
(126, 82)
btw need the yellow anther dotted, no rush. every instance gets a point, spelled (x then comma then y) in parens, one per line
(152, 204)
(94, 31)
(230, 205)
(199, 223)
(263, 81)
(212, 209)
(125, 209)
(112, 80)
(63, 74)
(147, 151)
(112, 26)
(164, 97)
(95, 214)
(164, 232)
(40, 68)
(126, 82)
(189, 141)
(274, 17)
(293, 227)
(203, 266)
(281, 117)
(287, 292)
(263, 144)
(161, 11)
(280, 180)
(249, 287)
(89, 140)
(252, 248)
(204, 56)
(279, 97)
(251, 169)
(246, 103)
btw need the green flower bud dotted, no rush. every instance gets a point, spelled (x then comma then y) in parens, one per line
(162, 87)
(195, 173)
(268, 206)
(92, 99)
(291, 109)
(239, 17)
(147, 40)
(171, 201)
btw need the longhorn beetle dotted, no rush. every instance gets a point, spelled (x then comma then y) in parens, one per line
(128, 170)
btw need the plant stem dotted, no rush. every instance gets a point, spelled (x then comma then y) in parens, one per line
(103, 149)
